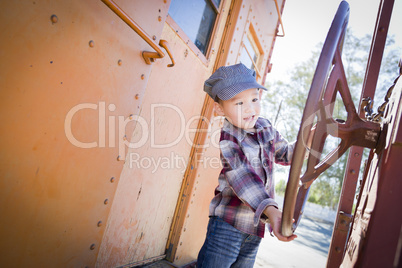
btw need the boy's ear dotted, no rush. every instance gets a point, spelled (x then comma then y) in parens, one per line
(260, 93)
(218, 109)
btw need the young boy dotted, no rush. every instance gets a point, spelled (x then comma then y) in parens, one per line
(249, 145)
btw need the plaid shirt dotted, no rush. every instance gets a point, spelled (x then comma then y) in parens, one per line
(246, 185)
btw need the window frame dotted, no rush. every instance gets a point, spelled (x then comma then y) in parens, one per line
(252, 37)
(204, 58)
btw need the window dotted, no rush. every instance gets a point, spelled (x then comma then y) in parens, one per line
(196, 18)
(251, 53)
(248, 54)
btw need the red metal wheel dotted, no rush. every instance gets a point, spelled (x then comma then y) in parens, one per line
(329, 78)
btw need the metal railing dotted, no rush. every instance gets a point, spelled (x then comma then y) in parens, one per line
(148, 56)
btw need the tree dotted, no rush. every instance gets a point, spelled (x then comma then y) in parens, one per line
(284, 104)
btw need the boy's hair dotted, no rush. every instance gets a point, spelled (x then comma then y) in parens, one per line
(228, 81)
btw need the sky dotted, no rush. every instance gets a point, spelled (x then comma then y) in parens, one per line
(306, 23)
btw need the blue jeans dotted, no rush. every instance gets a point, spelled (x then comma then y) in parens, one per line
(225, 247)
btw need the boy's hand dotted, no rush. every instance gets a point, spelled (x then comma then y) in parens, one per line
(275, 217)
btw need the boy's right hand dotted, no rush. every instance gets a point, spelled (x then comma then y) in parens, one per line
(275, 217)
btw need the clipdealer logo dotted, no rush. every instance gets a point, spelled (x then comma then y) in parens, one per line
(146, 132)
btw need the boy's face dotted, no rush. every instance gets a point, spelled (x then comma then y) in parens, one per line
(243, 109)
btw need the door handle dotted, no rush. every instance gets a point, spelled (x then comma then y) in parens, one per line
(148, 56)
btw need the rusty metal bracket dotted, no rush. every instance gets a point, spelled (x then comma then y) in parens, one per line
(344, 221)
(148, 56)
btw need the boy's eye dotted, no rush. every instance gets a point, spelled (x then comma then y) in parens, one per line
(255, 100)
(239, 103)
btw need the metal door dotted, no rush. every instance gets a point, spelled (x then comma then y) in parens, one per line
(142, 214)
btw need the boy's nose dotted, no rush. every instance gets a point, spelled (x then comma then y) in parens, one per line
(248, 108)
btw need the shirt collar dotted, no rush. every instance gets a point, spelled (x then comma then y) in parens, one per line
(240, 133)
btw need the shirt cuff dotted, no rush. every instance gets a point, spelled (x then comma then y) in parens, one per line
(261, 207)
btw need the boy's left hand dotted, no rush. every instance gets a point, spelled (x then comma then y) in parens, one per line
(275, 217)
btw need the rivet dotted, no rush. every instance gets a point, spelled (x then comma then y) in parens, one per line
(99, 223)
(111, 107)
(184, 229)
(142, 77)
(131, 116)
(106, 201)
(118, 158)
(91, 43)
(352, 171)
(92, 247)
(119, 62)
(382, 29)
(124, 137)
(54, 19)
(356, 154)
(337, 249)
(154, 37)
(112, 179)
(159, 18)
(137, 96)
(181, 243)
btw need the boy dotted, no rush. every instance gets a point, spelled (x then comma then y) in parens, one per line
(243, 201)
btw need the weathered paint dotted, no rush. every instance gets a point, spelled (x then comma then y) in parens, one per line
(53, 192)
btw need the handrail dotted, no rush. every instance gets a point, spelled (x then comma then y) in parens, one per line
(280, 19)
(255, 66)
(149, 57)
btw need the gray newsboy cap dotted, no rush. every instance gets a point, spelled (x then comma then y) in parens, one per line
(228, 81)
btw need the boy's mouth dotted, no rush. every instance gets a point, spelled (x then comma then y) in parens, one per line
(249, 118)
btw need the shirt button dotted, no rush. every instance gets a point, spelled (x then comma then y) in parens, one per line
(270, 141)
(265, 164)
